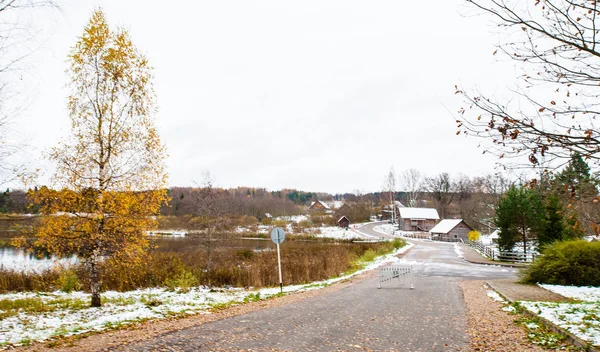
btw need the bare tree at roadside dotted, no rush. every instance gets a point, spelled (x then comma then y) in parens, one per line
(411, 182)
(552, 111)
(388, 193)
(207, 213)
(442, 191)
(17, 43)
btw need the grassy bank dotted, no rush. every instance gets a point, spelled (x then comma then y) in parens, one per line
(302, 263)
(26, 317)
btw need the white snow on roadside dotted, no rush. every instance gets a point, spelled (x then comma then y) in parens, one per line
(458, 251)
(509, 309)
(579, 318)
(495, 296)
(386, 229)
(122, 308)
(587, 294)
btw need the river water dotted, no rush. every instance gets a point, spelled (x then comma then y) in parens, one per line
(18, 259)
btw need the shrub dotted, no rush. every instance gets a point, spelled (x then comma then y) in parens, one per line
(68, 281)
(369, 255)
(245, 253)
(474, 235)
(398, 243)
(184, 281)
(566, 263)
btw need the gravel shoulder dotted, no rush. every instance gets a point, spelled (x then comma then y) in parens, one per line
(489, 327)
(514, 291)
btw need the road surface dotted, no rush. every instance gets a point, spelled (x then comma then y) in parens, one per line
(429, 318)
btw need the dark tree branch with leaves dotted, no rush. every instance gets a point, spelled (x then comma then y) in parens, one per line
(554, 110)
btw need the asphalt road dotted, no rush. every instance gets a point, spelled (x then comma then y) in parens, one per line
(395, 318)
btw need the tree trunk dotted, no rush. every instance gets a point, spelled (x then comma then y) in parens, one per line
(524, 239)
(209, 255)
(94, 282)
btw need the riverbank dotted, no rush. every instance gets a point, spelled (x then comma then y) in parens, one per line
(57, 314)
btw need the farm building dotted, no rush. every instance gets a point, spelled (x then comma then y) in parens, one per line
(417, 219)
(319, 206)
(343, 222)
(451, 230)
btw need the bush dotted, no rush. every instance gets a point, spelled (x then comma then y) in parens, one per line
(474, 235)
(184, 281)
(68, 281)
(398, 243)
(369, 255)
(566, 263)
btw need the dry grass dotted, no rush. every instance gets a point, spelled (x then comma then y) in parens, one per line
(302, 262)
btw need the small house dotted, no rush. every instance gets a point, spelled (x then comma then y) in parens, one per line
(319, 206)
(451, 230)
(344, 222)
(417, 219)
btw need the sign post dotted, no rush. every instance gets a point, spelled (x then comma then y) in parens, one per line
(278, 236)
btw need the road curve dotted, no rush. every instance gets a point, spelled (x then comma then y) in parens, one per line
(429, 318)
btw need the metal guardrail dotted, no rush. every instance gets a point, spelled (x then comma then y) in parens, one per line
(392, 272)
(495, 254)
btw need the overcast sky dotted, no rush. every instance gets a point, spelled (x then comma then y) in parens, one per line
(315, 95)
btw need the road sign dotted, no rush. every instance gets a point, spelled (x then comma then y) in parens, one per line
(277, 235)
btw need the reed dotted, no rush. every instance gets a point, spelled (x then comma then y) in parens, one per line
(302, 262)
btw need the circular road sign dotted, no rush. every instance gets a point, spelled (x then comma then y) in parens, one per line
(277, 235)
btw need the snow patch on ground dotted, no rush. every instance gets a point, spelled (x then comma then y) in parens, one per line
(495, 296)
(458, 251)
(509, 309)
(386, 229)
(587, 294)
(341, 233)
(293, 218)
(580, 318)
(122, 308)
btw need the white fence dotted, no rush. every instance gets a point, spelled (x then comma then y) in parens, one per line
(495, 254)
(428, 236)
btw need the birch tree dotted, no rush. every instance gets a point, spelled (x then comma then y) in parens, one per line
(110, 179)
(411, 182)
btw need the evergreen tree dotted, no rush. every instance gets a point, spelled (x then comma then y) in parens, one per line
(578, 190)
(554, 226)
(519, 216)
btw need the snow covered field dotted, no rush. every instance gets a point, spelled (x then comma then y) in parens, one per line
(386, 229)
(340, 233)
(122, 308)
(582, 319)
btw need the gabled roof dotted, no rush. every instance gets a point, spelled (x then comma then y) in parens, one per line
(446, 226)
(343, 217)
(322, 203)
(419, 213)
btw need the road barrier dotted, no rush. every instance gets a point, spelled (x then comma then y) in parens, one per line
(395, 272)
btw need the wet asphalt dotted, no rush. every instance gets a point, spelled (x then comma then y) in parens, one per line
(430, 317)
